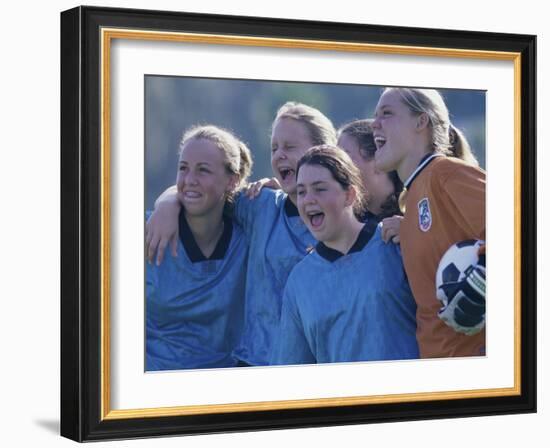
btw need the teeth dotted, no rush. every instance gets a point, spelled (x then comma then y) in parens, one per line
(192, 194)
(379, 142)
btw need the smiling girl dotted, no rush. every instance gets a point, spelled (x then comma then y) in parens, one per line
(382, 189)
(444, 204)
(348, 300)
(278, 238)
(194, 303)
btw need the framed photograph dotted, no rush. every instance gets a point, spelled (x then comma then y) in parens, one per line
(139, 89)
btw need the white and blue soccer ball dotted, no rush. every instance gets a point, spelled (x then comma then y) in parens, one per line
(453, 265)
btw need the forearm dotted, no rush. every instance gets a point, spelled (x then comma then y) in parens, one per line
(168, 196)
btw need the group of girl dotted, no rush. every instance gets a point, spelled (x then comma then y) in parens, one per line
(304, 273)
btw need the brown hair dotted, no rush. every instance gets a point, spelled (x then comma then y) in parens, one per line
(361, 131)
(342, 168)
(321, 129)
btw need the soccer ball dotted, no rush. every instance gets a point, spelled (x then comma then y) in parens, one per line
(453, 265)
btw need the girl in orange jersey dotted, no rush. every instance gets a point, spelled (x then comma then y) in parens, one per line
(443, 202)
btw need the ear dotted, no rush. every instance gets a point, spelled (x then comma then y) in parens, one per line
(233, 182)
(422, 121)
(351, 196)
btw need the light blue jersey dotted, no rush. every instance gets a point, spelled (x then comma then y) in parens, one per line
(353, 307)
(278, 239)
(194, 305)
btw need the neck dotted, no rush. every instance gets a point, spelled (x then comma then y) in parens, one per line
(347, 235)
(410, 163)
(207, 228)
(375, 207)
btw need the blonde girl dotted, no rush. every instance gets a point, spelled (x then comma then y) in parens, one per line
(194, 303)
(444, 203)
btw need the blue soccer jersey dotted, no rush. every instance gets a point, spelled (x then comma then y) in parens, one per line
(278, 239)
(343, 308)
(194, 305)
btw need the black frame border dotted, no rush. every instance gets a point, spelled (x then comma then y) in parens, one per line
(81, 223)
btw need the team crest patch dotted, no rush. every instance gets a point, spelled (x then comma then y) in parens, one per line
(424, 215)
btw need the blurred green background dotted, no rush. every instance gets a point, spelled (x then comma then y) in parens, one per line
(173, 104)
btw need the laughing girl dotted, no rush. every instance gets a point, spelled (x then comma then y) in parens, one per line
(348, 300)
(444, 204)
(278, 238)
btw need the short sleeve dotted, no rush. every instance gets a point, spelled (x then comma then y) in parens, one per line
(465, 190)
(245, 209)
(247, 212)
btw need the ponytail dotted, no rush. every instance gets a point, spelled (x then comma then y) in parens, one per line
(446, 138)
(459, 146)
(238, 160)
(245, 165)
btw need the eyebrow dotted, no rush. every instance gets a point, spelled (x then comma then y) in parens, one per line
(184, 162)
(285, 141)
(317, 182)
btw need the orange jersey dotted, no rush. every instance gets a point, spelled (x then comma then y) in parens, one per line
(444, 204)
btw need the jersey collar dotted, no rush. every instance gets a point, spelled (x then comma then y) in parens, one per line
(192, 248)
(363, 238)
(426, 160)
(290, 208)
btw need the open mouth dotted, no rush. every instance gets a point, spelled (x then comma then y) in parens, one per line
(191, 195)
(379, 142)
(286, 173)
(316, 219)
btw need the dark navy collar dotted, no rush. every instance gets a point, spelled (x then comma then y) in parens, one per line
(192, 248)
(369, 216)
(363, 238)
(290, 208)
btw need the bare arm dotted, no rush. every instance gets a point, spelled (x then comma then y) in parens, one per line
(252, 190)
(161, 228)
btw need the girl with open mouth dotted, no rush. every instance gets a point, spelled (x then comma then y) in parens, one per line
(382, 189)
(348, 300)
(278, 238)
(444, 203)
(194, 303)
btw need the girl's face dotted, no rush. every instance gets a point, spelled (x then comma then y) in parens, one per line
(323, 203)
(202, 179)
(290, 140)
(395, 131)
(377, 184)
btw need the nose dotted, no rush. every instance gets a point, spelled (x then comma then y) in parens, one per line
(184, 179)
(376, 123)
(278, 154)
(308, 198)
(191, 179)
